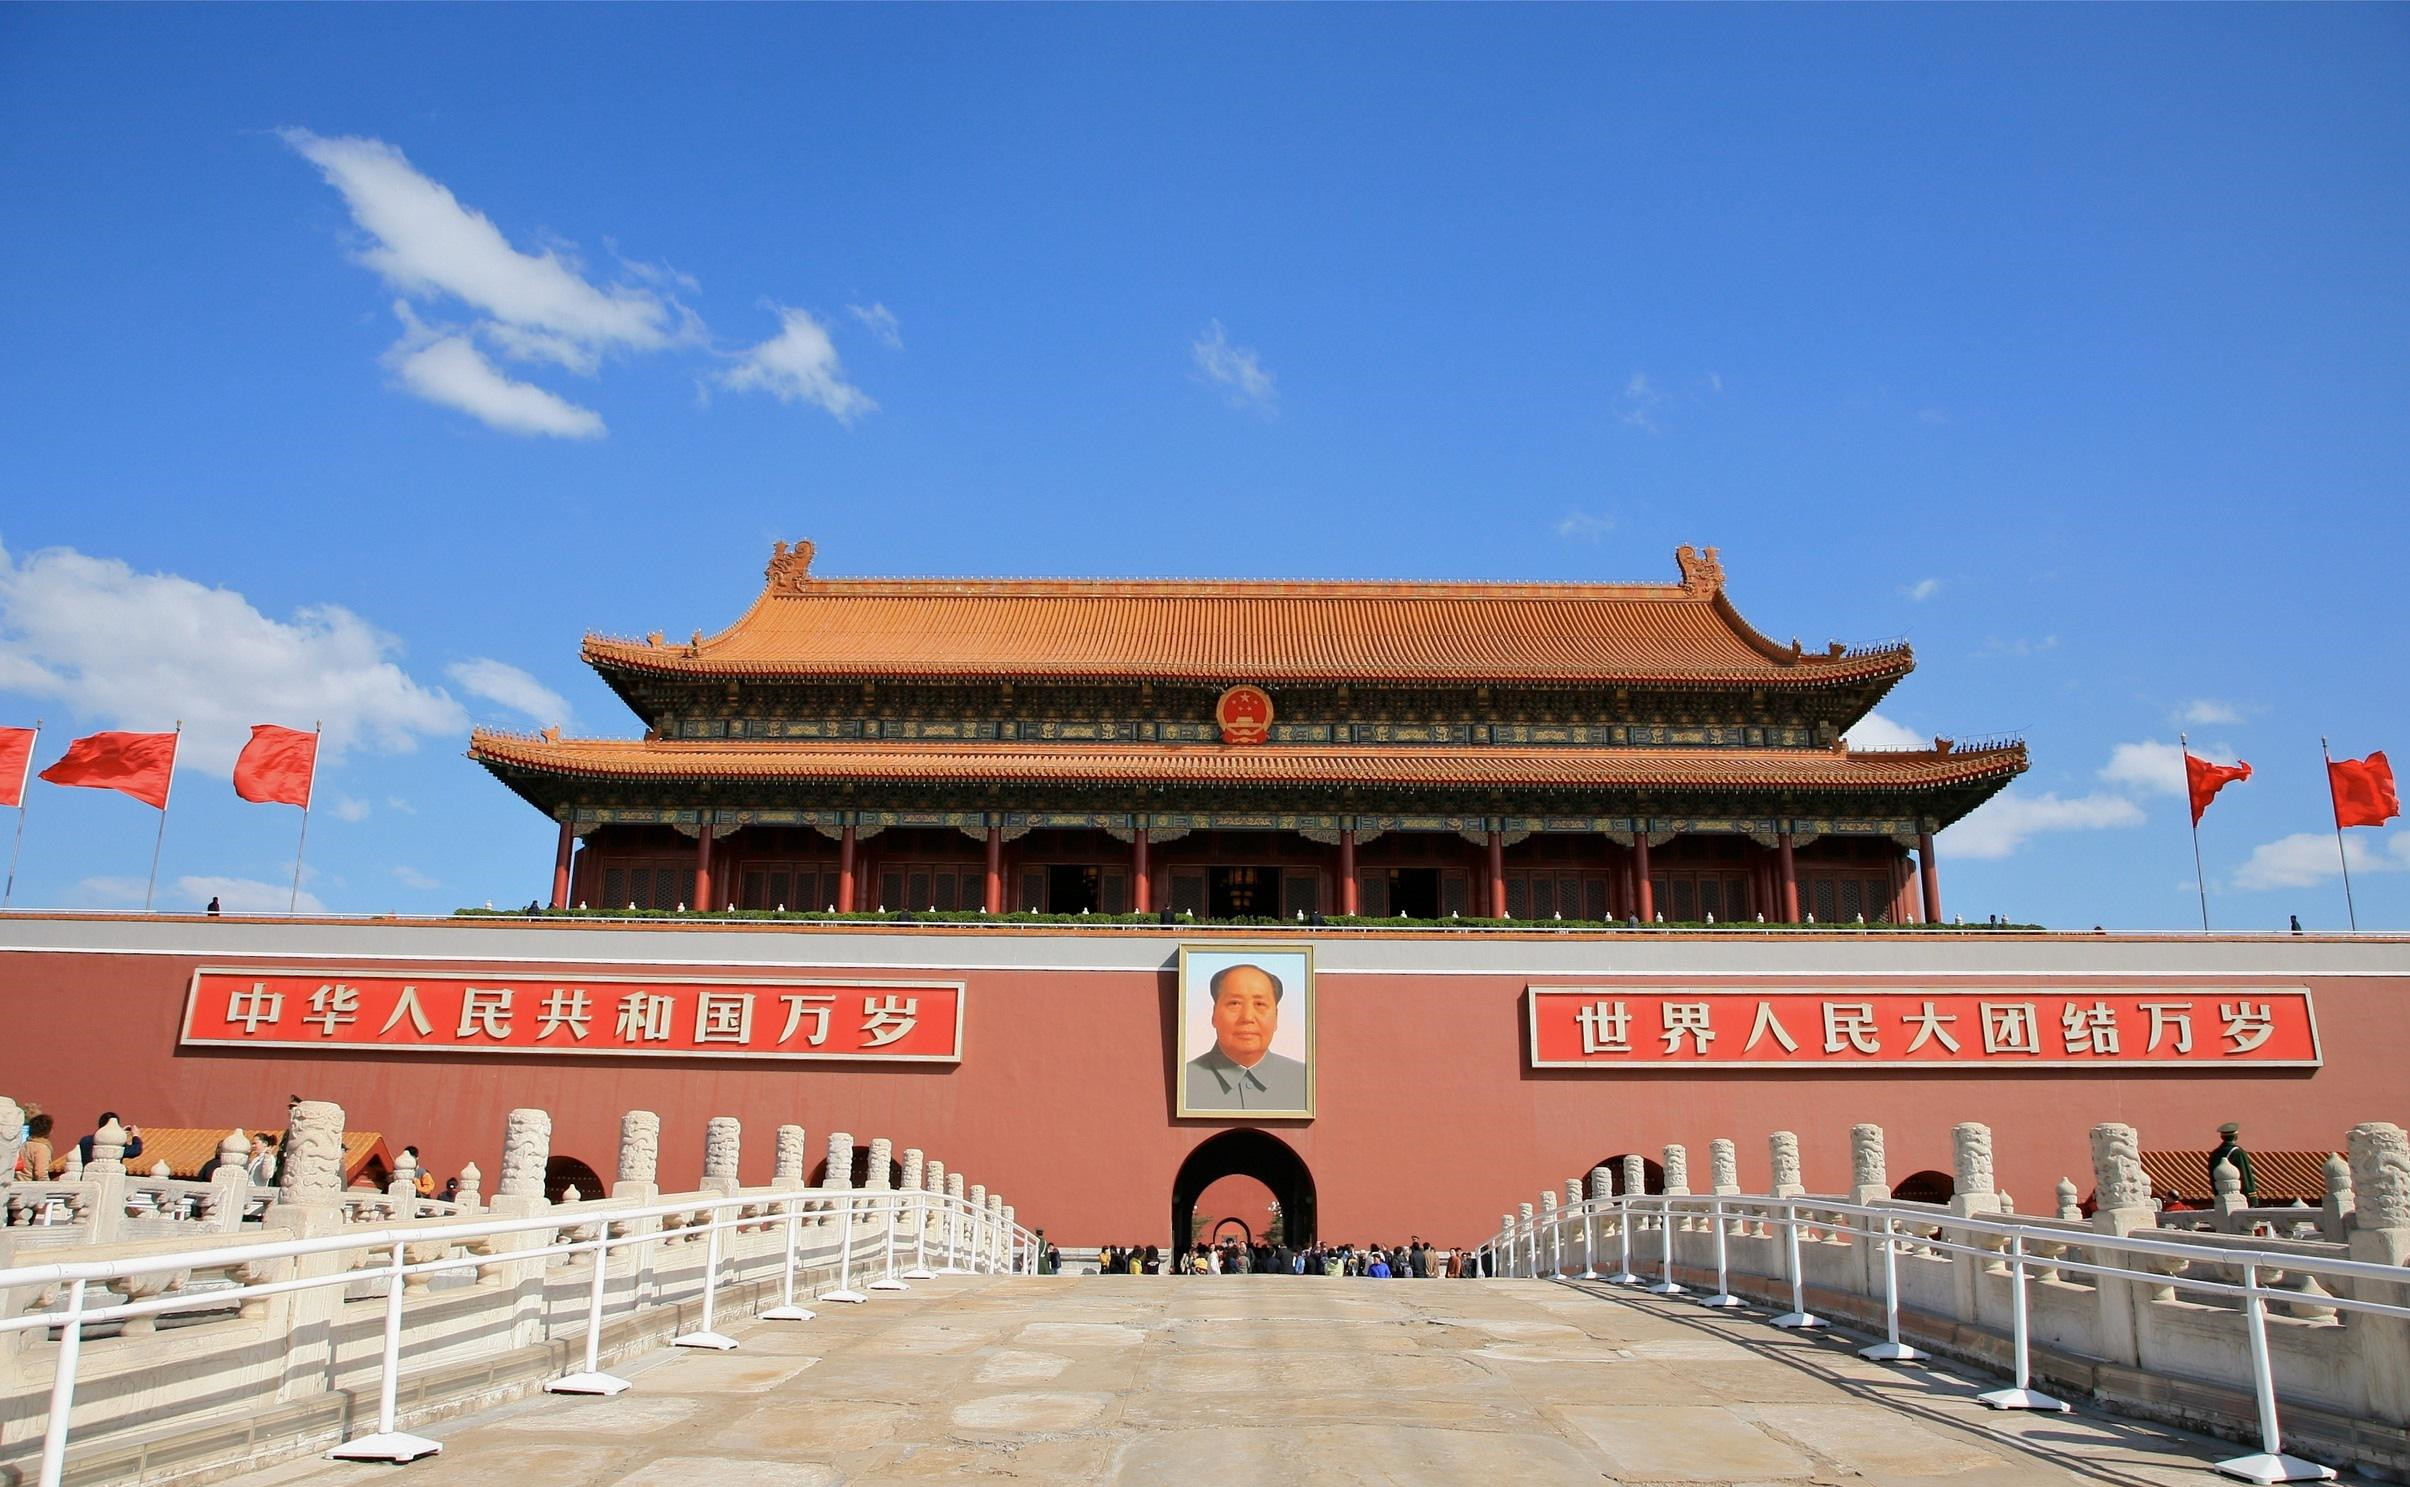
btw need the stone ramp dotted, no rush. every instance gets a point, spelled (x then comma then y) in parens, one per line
(1153, 1380)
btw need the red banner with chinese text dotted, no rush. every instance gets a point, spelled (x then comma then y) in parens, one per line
(466, 1012)
(1576, 1027)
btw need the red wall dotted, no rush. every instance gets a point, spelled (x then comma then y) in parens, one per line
(1431, 1122)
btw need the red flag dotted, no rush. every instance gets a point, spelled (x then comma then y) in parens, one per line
(136, 764)
(2363, 791)
(277, 766)
(16, 764)
(2205, 780)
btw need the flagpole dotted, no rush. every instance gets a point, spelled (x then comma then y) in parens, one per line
(2200, 881)
(308, 796)
(24, 789)
(2340, 855)
(151, 888)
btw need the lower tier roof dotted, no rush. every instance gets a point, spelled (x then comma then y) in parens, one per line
(1889, 772)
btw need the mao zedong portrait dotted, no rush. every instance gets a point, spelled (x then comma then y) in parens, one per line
(1240, 1071)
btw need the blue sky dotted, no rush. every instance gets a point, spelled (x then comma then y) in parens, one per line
(360, 359)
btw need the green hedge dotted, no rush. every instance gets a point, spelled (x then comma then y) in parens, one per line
(1342, 921)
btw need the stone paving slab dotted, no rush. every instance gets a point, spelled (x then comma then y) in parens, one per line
(1307, 1380)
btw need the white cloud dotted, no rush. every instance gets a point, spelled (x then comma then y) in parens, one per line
(427, 243)
(410, 877)
(2210, 710)
(1641, 400)
(2149, 765)
(2020, 647)
(449, 371)
(1581, 526)
(396, 803)
(141, 650)
(108, 890)
(2308, 858)
(1923, 589)
(1238, 370)
(799, 365)
(881, 322)
(1874, 731)
(243, 896)
(2001, 825)
(348, 808)
(2155, 767)
(499, 681)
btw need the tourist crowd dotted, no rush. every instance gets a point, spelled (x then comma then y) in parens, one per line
(1413, 1260)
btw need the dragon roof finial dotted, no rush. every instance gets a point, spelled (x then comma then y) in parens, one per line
(790, 567)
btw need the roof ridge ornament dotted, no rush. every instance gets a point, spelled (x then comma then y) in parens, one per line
(790, 567)
(1702, 570)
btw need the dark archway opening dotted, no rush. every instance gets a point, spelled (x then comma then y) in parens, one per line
(1926, 1187)
(1247, 1153)
(1652, 1175)
(563, 1173)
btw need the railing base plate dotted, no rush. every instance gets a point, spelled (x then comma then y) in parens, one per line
(1623, 1278)
(2026, 1399)
(1669, 1288)
(1800, 1321)
(855, 1297)
(917, 1273)
(1722, 1301)
(716, 1342)
(587, 1383)
(889, 1285)
(1893, 1352)
(787, 1314)
(2265, 1466)
(387, 1445)
(1587, 1275)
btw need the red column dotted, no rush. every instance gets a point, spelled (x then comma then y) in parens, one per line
(1931, 876)
(1790, 879)
(995, 869)
(1142, 891)
(1497, 846)
(1348, 903)
(560, 867)
(845, 872)
(1643, 896)
(702, 898)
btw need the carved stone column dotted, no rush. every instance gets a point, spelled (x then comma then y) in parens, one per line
(311, 1174)
(915, 1163)
(1783, 1147)
(1677, 1172)
(526, 1148)
(880, 1178)
(639, 1156)
(786, 1171)
(1971, 1161)
(12, 1125)
(1869, 1180)
(2122, 1205)
(1602, 1183)
(2380, 1181)
(933, 1177)
(1724, 1166)
(723, 1146)
(1635, 1175)
(840, 1174)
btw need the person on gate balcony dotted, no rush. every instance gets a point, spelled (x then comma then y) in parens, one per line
(1240, 1071)
(2231, 1150)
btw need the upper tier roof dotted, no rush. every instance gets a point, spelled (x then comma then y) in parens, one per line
(1220, 632)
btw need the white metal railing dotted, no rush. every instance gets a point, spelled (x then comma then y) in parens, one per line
(2020, 1246)
(965, 1238)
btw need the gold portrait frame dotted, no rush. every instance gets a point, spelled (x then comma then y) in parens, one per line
(1195, 1090)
